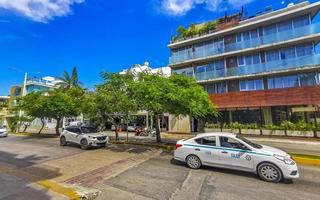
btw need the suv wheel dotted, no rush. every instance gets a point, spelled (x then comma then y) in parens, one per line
(269, 172)
(193, 162)
(84, 144)
(63, 141)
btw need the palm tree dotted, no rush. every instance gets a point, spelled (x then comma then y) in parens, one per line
(70, 81)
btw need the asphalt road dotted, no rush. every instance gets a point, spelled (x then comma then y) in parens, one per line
(158, 177)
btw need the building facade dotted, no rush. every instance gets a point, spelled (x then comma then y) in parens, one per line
(261, 69)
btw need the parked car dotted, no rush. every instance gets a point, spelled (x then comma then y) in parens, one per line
(85, 136)
(122, 126)
(227, 150)
(3, 131)
(132, 127)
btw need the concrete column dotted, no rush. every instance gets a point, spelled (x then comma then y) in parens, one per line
(230, 116)
(267, 115)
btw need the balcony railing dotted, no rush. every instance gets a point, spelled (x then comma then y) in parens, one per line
(299, 62)
(259, 41)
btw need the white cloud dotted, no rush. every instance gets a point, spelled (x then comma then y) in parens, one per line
(181, 7)
(39, 10)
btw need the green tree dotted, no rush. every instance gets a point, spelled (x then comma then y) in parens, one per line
(60, 103)
(34, 107)
(55, 104)
(178, 95)
(69, 81)
(111, 101)
(181, 31)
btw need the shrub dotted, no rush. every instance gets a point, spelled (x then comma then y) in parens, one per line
(212, 125)
(252, 126)
(287, 125)
(271, 127)
(303, 126)
(237, 125)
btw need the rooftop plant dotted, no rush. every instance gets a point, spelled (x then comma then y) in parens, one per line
(194, 30)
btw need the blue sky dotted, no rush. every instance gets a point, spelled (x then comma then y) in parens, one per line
(47, 37)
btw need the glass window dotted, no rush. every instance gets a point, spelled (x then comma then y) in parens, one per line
(210, 67)
(200, 69)
(278, 82)
(246, 35)
(256, 58)
(219, 64)
(231, 143)
(290, 81)
(301, 21)
(254, 33)
(250, 85)
(287, 53)
(243, 86)
(211, 89)
(210, 141)
(221, 88)
(270, 29)
(239, 37)
(308, 79)
(240, 60)
(248, 60)
(259, 84)
(272, 56)
(304, 50)
(285, 26)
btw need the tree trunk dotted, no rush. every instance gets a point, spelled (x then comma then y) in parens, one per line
(116, 131)
(42, 121)
(58, 126)
(158, 133)
(25, 128)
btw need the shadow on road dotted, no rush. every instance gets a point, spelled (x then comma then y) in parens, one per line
(18, 172)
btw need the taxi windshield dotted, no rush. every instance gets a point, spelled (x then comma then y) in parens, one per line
(252, 144)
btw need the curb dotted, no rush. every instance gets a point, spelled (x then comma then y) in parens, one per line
(33, 135)
(299, 158)
(161, 146)
(57, 188)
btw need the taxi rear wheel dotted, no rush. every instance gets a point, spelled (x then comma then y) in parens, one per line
(193, 162)
(269, 172)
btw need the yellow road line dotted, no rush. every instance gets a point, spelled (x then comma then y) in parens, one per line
(50, 185)
(56, 187)
(307, 161)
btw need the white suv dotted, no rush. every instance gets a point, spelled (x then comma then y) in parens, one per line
(84, 136)
(3, 131)
(227, 150)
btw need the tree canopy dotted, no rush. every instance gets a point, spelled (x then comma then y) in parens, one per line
(69, 81)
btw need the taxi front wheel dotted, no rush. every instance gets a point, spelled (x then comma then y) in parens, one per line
(193, 162)
(269, 172)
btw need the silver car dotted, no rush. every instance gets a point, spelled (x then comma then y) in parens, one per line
(3, 131)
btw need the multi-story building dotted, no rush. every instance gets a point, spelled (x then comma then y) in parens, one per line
(261, 69)
(32, 84)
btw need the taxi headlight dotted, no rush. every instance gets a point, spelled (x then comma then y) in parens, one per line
(284, 159)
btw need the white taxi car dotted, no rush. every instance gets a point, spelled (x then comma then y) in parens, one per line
(85, 136)
(227, 150)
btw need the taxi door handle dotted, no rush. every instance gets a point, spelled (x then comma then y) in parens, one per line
(224, 152)
(197, 149)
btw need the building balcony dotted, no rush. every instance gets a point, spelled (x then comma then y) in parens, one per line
(271, 39)
(268, 67)
(308, 95)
